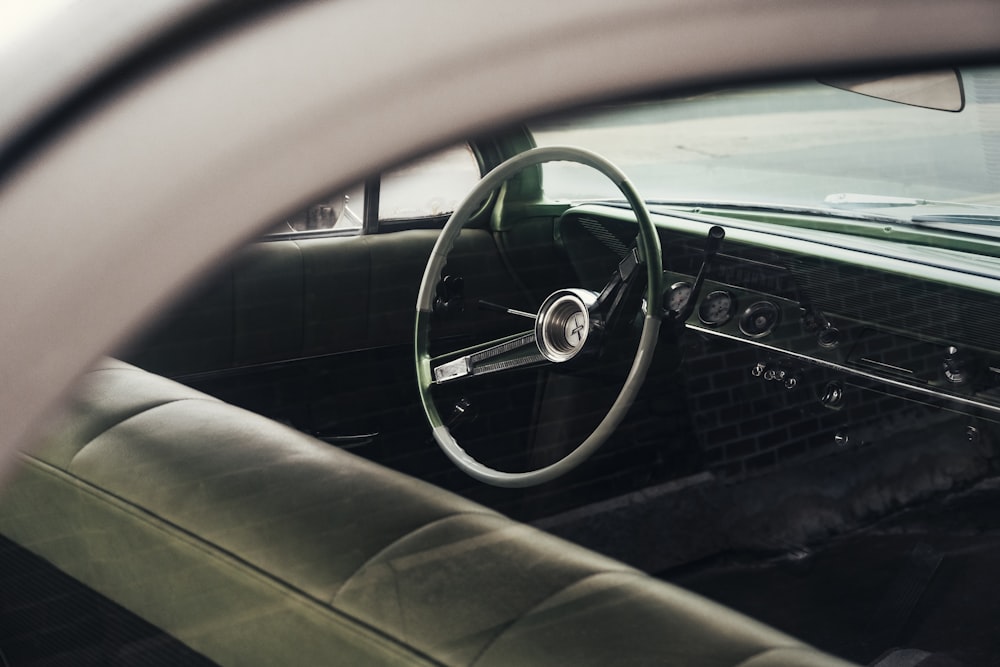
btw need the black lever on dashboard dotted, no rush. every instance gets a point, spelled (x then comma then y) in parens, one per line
(712, 244)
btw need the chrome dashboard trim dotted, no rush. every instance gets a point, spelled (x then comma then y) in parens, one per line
(856, 372)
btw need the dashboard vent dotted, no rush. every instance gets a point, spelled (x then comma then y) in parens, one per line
(607, 238)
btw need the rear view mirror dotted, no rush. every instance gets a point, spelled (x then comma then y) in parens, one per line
(936, 89)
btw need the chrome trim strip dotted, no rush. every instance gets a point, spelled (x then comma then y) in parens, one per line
(898, 369)
(856, 372)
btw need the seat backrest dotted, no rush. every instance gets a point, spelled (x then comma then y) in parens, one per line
(255, 544)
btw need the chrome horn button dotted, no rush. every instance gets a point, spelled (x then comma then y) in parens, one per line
(564, 324)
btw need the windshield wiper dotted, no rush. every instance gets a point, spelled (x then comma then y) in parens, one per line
(854, 200)
(851, 200)
(792, 209)
(958, 218)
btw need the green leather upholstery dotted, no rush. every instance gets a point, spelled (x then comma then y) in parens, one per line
(255, 544)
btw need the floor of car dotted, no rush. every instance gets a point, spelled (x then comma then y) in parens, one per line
(48, 619)
(925, 578)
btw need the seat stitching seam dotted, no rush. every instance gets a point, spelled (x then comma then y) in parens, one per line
(772, 649)
(398, 541)
(155, 521)
(627, 572)
(503, 631)
(121, 421)
(120, 369)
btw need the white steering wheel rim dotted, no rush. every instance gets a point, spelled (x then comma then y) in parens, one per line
(649, 251)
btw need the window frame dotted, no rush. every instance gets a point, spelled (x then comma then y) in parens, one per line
(484, 160)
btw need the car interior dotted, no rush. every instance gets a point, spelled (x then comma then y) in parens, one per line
(476, 410)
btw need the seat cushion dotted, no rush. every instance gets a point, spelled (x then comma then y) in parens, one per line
(256, 544)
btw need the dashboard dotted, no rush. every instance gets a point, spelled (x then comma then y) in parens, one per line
(800, 344)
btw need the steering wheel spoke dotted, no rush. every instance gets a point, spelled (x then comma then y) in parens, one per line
(512, 352)
(609, 301)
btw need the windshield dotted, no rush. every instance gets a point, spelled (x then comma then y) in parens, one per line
(802, 145)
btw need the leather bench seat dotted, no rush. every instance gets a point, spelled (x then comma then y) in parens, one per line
(255, 544)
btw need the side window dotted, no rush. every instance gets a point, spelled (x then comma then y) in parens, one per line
(430, 187)
(343, 213)
(420, 191)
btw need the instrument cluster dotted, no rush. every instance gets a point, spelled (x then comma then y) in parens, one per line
(725, 308)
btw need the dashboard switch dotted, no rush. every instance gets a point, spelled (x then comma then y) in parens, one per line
(958, 367)
(833, 395)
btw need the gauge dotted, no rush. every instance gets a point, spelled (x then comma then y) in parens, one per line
(829, 337)
(676, 298)
(716, 308)
(759, 319)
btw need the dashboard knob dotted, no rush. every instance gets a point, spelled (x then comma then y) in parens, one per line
(828, 338)
(833, 395)
(958, 367)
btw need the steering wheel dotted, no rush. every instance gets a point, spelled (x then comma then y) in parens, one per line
(570, 323)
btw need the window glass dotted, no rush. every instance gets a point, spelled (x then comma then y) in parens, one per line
(429, 187)
(805, 144)
(342, 212)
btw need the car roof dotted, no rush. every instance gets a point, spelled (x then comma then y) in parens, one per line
(137, 154)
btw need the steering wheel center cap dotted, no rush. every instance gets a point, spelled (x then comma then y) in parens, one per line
(564, 324)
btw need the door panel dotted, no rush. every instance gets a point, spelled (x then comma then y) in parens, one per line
(268, 304)
(335, 273)
(193, 337)
(292, 329)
